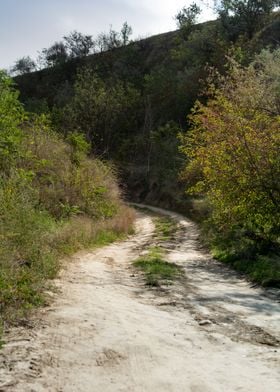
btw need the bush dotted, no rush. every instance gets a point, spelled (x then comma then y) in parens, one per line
(54, 200)
(233, 157)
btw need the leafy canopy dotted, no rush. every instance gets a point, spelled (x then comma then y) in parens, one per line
(233, 149)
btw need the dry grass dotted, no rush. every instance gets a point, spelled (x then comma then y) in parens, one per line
(25, 273)
(54, 200)
(82, 232)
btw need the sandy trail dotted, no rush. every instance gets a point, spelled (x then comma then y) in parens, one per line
(105, 331)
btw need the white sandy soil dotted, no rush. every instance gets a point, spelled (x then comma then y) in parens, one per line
(105, 331)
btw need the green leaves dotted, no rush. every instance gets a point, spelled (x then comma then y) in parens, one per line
(244, 16)
(53, 200)
(11, 116)
(233, 153)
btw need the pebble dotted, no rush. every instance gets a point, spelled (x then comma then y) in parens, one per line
(205, 322)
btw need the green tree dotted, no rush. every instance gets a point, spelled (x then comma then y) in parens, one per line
(244, 17)
(103, 112)
(233, 151)
(114, 39)
(23, 65)
(78, 44)
(11, 117)
(54, 55)
(126, 32)
(187, 17)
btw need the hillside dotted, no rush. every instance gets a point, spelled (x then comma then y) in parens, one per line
(133, 102)
(140, 206)
(165, 74)
(54, 200)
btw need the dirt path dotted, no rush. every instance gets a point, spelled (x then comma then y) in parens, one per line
(105, 331)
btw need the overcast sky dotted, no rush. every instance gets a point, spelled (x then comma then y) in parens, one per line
(27, 26)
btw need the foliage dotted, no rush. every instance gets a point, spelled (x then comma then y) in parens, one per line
(187, 17)
(262, 269)
(165, 227)
(126, 32)
(244, 17)
(157, 271)
(101, 111)
(78, 44)
(68, 182)
(54, 55)
(23, 65)
(133, 101)
(53, 200)
(75, 45)
(114, 39)
(11, 116)
(79, 147)
(233, 155)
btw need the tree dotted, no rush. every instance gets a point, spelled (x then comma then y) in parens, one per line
(111, 40)
(11, 117)
(55, 55)
(233, 151)
(244, 17)
(101, 42)
(103, 112)
(23, 65)
(126, 32)
(78, 44)
(187, 17)
(114, 39)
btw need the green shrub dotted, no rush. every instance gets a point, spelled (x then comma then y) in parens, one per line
(233, 158)
(54, 200)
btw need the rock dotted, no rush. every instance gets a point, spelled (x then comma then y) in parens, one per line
(205, 322)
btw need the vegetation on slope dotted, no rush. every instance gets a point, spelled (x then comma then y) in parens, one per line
(131, 103)
(54, 200)
(233, 160)
(140, 94)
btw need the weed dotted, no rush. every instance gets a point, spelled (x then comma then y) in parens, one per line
(165, 227)
(264, 270)
(156, 269)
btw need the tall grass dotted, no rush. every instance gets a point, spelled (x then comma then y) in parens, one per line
(33, 242)
(54, 200)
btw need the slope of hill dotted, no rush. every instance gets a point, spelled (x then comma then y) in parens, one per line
(132, 102)
(164, 74)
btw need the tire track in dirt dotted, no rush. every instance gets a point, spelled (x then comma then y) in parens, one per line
(106, 332)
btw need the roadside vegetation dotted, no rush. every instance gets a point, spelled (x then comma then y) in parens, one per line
(54, 200)
(233, 160)
(131, 100)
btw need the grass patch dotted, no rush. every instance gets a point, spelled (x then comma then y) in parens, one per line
(54, 200)
(262, 269)
(156, 269)
(165, 227)
(31, 258)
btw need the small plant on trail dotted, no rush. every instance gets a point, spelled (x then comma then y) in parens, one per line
(165, 227)
(156, 269)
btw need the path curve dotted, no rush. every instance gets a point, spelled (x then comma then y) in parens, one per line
(106, 332)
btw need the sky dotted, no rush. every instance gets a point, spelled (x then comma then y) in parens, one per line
(27, 26)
